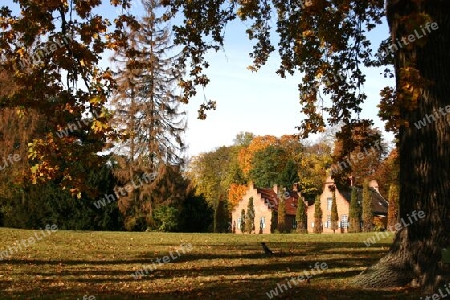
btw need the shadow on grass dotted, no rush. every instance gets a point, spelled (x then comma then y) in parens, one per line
(237, 289)
(223, 281)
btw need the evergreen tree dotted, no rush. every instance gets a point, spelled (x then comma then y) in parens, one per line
(317, 216)
(46, 203)
(250, 219)
(282, 215)
(289, 175)
(300, 216)
(242, 225)
(196, 215)
(393, 199)
(367, 216)
(334, 213)
(221, 217)
(354, 213)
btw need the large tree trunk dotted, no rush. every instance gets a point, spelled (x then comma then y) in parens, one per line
(424, 152)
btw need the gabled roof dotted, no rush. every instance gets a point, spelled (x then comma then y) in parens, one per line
(271, 199)
(379, 204)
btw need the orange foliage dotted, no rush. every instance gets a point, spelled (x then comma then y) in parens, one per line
(258, 143)
(235, 193)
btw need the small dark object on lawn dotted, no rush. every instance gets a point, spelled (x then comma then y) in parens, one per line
(266, 249)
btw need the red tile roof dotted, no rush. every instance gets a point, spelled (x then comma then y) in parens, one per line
(271, 199)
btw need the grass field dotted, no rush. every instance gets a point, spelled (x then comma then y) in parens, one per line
(73, 264)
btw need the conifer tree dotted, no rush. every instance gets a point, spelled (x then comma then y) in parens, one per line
(147, 114)
(334, 213)
(250, 219)
(289, 175)
(300, 216)
(242, 225)
(221, 217)
(282, 215)
(367, 216)
(317, 216)
(355, 212)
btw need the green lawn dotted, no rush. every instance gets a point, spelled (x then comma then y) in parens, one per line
(71, 264)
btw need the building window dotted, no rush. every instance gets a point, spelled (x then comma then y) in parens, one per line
(312, 224)
(262, 223)
(329, 203)
(344, 221)
(328, 224)
(294, 224)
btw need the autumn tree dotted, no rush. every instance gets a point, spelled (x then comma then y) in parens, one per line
(256, 144)
(354, 212)
(317, 216)
(18, 126)
(387, 172)
(208, 170)
(300, 216)
(235, 193)
(358, 152)
(235, 178)
(213, 173)
(367, 216)
(148, 74)
(334, 213)
(393, 205)
(313, 165)
(146, 105)
(293, 146)
(250, 218)
(55, 63)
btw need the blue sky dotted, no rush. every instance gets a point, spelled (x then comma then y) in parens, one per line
(262, 102)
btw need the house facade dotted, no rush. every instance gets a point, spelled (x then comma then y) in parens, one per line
(266, 200)
(265, 203)
(326, 198)
(343, 198)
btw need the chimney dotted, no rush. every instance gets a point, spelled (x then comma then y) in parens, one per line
(251, 185)
(275, 188)
(374, 184)
(352, 180)
(295, 187)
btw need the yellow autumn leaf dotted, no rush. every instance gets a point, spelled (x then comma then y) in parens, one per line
(21, 52)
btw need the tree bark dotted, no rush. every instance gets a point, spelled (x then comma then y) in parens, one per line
(424, 152)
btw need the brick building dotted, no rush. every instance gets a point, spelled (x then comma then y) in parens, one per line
(265, 203)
